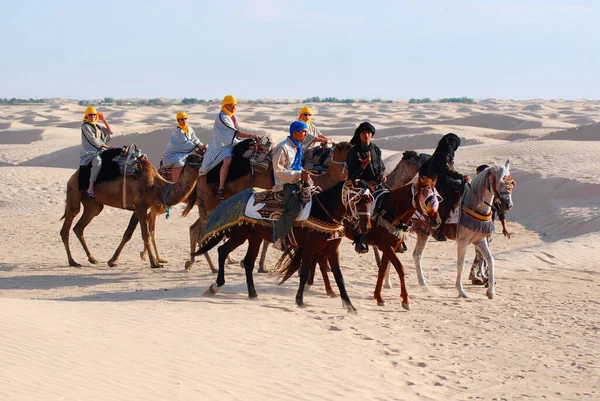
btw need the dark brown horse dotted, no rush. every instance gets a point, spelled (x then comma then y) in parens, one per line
(329, 208)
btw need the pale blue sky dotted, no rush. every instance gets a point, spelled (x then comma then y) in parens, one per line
(297, 49)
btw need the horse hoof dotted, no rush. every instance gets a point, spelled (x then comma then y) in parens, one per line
(463, 295)
(490, 295)
(212, 290)
(253, 295)
(213, 270)
(159, 266)
(388, 286)
(300, 304)
(92, 260)
(188, 265)
(406, 306)
(332, 294)
(163, 261)
(74, 264)
(380, 303)
(111, 263)
(349, 307)
(262, 270)
(307, 288)
(143, 255)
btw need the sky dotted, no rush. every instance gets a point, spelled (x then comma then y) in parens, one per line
(280, 49)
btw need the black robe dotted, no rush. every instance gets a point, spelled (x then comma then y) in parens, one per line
(373, 170)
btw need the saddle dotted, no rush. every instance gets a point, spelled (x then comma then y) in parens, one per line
(115, 162)
(318, 158)
(268, 205)
(246, 155)
(166, 172)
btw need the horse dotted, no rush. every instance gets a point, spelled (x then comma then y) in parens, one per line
(393, 211)
(313, 236)
(475, 223)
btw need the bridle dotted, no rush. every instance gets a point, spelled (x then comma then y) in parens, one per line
(509, 183)
(352, 195)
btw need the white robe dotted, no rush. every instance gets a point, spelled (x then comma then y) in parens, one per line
(223, 141)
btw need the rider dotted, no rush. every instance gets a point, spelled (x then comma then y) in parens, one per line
(479, 268)
(449, 180)
(365, 163)
(93, 142)
(306, 115)
(226, 135)
(288, 171)
(183, 141)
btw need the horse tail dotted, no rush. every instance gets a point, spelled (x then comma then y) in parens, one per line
(210, 244)
(288, 264)
(191, 203)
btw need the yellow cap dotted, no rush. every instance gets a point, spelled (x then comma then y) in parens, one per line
(90, 110)
(182, 114)
(228, 100)
(305, 109)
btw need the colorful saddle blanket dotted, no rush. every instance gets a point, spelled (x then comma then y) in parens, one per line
(128, 160)
(259, 154)
(268, 205)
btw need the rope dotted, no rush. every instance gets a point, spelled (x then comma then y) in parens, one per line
(129, 155)
(167, 208)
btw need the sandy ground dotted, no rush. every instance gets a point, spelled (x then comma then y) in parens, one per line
(129, 332)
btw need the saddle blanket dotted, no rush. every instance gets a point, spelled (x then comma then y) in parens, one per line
(268, 205)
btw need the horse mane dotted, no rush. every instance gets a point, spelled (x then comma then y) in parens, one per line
(474, 194)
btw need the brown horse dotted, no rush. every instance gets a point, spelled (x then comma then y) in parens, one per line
(390, 219)
(329, 208)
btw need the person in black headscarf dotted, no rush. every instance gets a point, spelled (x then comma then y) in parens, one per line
(364, 159)
(449, 180)
(365, 163)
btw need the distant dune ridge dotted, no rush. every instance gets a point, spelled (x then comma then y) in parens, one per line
(99, 333)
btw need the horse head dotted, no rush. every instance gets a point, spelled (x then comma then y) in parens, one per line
(356, 197)
(502, 184)
(428, 200)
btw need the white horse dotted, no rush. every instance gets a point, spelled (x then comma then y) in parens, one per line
(475, 222)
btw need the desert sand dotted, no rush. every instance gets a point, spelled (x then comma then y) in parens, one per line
(132, 333)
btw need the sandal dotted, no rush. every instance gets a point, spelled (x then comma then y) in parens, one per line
(91, 195)
(221, 195)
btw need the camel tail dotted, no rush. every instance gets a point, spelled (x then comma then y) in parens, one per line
(191, 203)
(288, 264)
(209, 245)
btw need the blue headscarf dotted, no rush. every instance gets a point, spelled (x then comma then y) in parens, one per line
(297, 126)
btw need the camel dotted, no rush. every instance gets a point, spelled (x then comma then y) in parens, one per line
(141, 193)
(206, 195)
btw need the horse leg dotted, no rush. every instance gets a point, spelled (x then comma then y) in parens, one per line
(311, 278)
(304, 271)
(90, 210)
(324, 266)
(133, 222)
(248, 262)
(400, 270)
(237, 238)
(142, 213)
(334, 262)
(461, 250)
(263, 256)
(381, 272)
(70, 213)
(484, 248)
(418, 257)
(387, 283)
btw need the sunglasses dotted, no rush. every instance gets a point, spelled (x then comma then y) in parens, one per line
(182, 119)
(92, 114)
(307, 115)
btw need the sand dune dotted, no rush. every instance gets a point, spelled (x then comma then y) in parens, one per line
(127, 332)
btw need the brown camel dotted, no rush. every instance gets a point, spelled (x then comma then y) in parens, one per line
(141, 193)
(206, 198)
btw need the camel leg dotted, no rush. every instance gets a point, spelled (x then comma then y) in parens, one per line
(400, 270)
(381, 272)
(142, 213)
(71, 210)
(263, 256)
(334, 262)
(484, 248)
(133, 222)
(90, 210)
(418, 257)
(248, 263)
(461, 250)
(155, 211)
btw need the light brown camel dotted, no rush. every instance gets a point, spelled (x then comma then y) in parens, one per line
(141, 193)
(206, 198)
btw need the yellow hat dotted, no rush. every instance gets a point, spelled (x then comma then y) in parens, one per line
(228, 100)
(182, 114)
(90, 110)
(305, 109)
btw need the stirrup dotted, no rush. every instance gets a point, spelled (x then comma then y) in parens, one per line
(221, 195)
